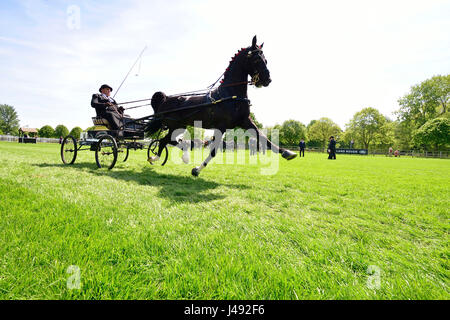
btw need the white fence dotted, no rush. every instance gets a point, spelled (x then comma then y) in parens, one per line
(48, 140)
(9, 138)
(16, 139)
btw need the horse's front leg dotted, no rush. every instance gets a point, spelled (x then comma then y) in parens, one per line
(218, 134)
(285, 153)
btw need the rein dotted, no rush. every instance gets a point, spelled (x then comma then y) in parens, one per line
(134, 101)
(189, 93)
(142, 105)
(195, 92)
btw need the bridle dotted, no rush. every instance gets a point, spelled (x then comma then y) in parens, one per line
(255, 73)
(237, 84)
(255, 79)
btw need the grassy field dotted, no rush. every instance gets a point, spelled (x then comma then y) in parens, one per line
(355, 228)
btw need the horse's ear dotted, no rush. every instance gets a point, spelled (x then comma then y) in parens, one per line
(254, 42)
(261, 45)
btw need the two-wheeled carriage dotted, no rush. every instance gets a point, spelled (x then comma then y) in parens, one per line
(220, 108)
(111, 146)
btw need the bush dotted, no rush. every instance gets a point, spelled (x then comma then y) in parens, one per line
(46, 132)
(434, 133)
(61, 131)
(76, 132)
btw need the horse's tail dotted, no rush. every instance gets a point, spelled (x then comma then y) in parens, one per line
(158, 99)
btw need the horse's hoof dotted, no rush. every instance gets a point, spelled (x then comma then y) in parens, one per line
(288, 155)
(195, 172)
(186, 157)
(153, 159)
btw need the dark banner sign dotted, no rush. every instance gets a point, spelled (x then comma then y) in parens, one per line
(27, 140)
(353, 151)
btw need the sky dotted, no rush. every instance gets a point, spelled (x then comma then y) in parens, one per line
(326, 58)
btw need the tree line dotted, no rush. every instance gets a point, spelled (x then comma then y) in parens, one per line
(422, 122)
(9, 124)
(60, 131)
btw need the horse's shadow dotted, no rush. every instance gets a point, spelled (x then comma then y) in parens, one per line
(174, 187)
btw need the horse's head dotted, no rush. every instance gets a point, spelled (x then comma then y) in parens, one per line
(257, 65)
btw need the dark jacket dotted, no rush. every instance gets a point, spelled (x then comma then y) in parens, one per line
(101, 105)
(302, 144)
(332, 145)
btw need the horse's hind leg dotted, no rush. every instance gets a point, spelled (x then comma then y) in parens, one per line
(162, 144)
(218, 134)
(153, 126)
(285, 153)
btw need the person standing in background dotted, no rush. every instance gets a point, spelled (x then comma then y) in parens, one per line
(332, 148)
(302, 146)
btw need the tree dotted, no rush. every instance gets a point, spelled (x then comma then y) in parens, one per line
(434, 133)
(310, 124)
(1, 132)
(9, 121)
(291, 131)
(258, 124)
(312, 142)
(345, 139)
(322, 129)
(46, 132)
(403, 133)
(61, 131)
(425, 101)
(76, 132)
(386, 137)
(367, 126)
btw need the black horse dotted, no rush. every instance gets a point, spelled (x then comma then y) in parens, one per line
(233, 110)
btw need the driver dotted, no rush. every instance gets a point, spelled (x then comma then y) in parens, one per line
(107, 107)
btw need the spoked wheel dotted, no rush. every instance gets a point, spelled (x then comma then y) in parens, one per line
(106, 153)
(122, 152)
(69, 150)
(153, 152)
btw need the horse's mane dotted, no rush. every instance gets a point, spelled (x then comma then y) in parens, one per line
(230, 64)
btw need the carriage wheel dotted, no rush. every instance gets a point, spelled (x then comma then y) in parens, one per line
(106, 153)
(69, 150)
(153, 151)
(122, 152)
(126, 154)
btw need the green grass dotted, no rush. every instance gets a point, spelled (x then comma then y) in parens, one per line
(311, 231)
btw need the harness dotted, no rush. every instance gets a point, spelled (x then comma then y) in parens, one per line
(209, 99)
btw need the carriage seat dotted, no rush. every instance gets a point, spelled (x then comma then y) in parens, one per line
(130, 128)
(99, 121)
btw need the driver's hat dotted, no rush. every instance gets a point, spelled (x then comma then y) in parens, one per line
(105, 86)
